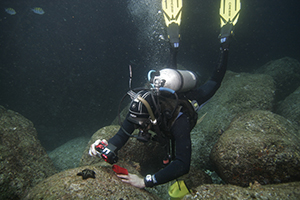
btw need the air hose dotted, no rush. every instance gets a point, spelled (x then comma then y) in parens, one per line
(153, 120)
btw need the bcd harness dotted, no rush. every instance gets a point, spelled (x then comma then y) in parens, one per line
(183, 106)
(169, 109)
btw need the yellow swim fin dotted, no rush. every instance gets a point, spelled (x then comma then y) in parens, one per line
(229, 11)
(172, 10)
(178, 190)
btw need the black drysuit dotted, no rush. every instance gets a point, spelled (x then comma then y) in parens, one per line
(181, 127)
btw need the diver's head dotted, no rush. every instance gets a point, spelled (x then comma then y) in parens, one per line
(141, 114)
(142, 108)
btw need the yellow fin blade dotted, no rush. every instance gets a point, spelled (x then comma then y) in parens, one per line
(172, 10)
(229, 11)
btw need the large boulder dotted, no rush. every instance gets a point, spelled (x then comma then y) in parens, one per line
(258, 146)
(23, 161)
(290, 107)
(68, 155)
(106, 185)
(285, 72)
(284, 191)
(239, 92)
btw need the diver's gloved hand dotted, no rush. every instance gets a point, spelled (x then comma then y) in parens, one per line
(96, 146)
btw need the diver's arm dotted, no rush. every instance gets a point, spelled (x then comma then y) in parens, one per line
(107, 150)
(174, 40)
(181, 164)
(220, 70)
(173, 58)
(121, 137)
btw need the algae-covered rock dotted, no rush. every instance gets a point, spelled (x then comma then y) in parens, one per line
(238, 93)
(67, 185)
(290, 107)
(196, 177)
(68, 155)
(23, 161)
(258, 146)
(285, 72)
(284, 191)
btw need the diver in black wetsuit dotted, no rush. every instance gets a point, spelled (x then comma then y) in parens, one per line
(170, 117)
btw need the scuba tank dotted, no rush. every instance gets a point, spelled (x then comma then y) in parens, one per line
(177, 80)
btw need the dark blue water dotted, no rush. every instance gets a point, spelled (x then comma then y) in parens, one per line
(66, 70)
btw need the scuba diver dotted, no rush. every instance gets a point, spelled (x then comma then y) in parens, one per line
(169, 108)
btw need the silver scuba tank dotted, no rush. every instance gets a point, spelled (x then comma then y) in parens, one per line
(177, 80)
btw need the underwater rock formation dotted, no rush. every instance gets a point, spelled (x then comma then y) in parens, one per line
(288, 191)
(24, 162)
(106, 185)
(286, 74)
(258, 146)
(68, 155)
(238, 93)
(290, 107)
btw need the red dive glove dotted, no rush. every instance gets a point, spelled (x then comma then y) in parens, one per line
(120, 170)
